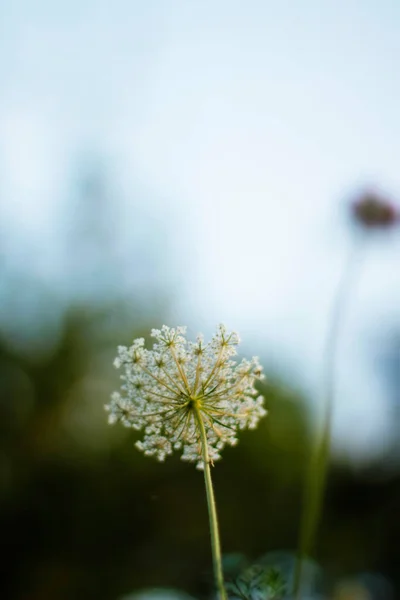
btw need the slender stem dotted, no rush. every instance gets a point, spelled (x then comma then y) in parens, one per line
(212, 510)
(316, 477)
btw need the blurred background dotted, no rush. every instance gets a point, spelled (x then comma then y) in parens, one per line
(189, 162)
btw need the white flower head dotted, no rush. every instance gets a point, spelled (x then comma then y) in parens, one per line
(179, 387)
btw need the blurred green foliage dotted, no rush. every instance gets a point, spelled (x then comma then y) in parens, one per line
(83, 514)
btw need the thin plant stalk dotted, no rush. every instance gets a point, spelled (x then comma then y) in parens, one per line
(212, 511)
(316, 477)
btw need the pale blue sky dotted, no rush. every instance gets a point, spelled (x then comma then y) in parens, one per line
(249, 123)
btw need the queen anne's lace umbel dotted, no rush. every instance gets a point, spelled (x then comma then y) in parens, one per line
(169, 389)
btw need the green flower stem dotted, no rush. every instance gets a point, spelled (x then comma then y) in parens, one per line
(316, 478)
(212, 510)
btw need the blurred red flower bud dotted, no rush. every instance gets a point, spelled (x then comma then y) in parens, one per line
(374, 211)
